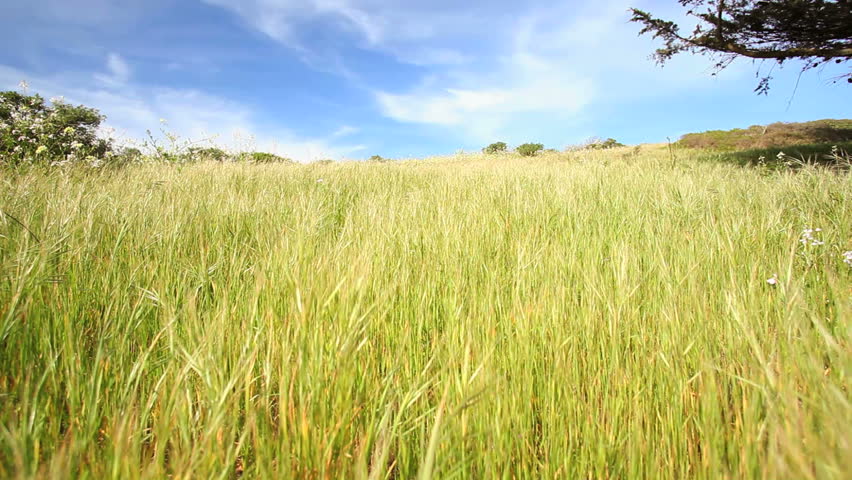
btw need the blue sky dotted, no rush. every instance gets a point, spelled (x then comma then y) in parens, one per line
(351, 78)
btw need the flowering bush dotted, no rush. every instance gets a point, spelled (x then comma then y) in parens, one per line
(32, 131)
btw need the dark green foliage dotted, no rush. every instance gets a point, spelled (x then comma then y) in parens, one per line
(32, 131)
(263, 157)
(497, 147)
(209, 153)
(529, 149)
(126, 156)
(816, 31)
(773, 135)
(378, 158)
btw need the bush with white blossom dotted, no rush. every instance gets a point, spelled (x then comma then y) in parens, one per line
(33, 131)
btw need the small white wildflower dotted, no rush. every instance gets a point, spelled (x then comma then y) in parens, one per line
(773, 280)
(24, 85)
(57, 100)
(320, 180)
(808, 237)
(847, 258)
(781, 155)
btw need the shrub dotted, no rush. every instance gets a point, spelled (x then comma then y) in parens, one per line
(126, 156)
(529, 149)
(209, 153)
(497, 147)
(605, 144)
(264, 157)
(32, 131)
(378, 158)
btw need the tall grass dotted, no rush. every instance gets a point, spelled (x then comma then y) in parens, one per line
(598, 315)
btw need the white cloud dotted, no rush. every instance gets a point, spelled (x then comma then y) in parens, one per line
(488, 112)
(193, 115)
(492, 68)
(118, 67)
(344, 131)
(119, 71)
(397, 28)
(557, 63)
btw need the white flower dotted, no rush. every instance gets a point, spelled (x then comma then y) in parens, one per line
(24, 85)
(808, 237)
(57, 100)
(319, 180)
(68, 130)
(773, 280)
(781, 155)
(847, 258)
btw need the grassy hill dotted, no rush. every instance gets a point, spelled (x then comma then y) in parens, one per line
(592, 315)
(773, 135)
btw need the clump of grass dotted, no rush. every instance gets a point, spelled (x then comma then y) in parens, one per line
(599, 317)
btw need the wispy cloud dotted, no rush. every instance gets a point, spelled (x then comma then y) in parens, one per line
(489, 69)
(344, 131)
(119, 72)
(416, 32)
(555, 66)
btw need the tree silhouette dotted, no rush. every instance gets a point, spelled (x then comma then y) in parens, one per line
(815, 31)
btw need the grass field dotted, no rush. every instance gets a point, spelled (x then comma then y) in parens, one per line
(592, 315)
